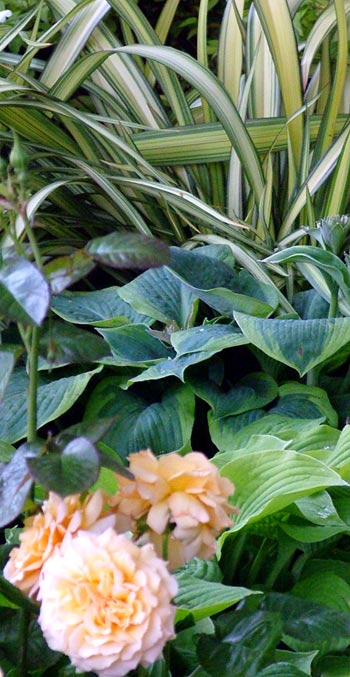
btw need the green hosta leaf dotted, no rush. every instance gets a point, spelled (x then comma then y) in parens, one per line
(71, 472)
(128, 250)
(308, 626)
(163, 426)
(62, 344)
(326, 261)
(320, 437)
(301, 344)
(256, 443)
(325, 588)
(64, 271)
(210, 337)
(269, 481)
(301, 401)
(251, 392)
(159, 294)
(201, 598)
(215, 283)
(55, 397)
(246, 642)
(24, 292)
(103, 308)
(305, 533)
(273, 424)
(279, 669)
(15, 483)
(172, 367)
(133, 344)
(319, 509)
(301, 660)
(334, 666)
(339, 456)
(223, 431)
(7, 361)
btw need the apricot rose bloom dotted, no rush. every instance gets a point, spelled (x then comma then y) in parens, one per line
(186, 492)
(44, 531)
(106, 603)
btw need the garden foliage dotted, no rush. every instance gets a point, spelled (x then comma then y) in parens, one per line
(174, 275)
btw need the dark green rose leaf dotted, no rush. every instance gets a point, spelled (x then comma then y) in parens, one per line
(63, 271)
(15, 483)
(24, 292)
(128, 250)
(71, 472)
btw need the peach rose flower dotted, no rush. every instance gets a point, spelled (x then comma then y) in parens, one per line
(44, 531)
(106, 603)
(185, 492)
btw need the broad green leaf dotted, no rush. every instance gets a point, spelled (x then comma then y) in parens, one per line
(71, 472)
(256, 443)
(303, 532)
(243, 648)
(62, 343)
(7, 362)
(339, 456)
(326, 588)
(326, 261)
(251, 392)
(128, 250)
(172, 367)
(301, 344)
(223, 431)
(267, 482)
(335, 666)
(308, 626)
(133, 344)
(204, 598)
(278, 669)
(302, 401)
(101, 308)
(215, 283)
(162, 426)
(320, 437)
(274, 424)
(15, 483)
(209, 337)
(55, 397)
(319, 509)
(160, 295)
(300, 660)
(24, 292)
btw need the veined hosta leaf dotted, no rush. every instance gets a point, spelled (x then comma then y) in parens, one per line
(266, 482)
(308, 626)
(301, 344)
(160, 295)
(162, 426)
(219, 286)
(283, 426)
(201, 598)
(302, 401)
(7, 362)
(102, 308)
(326, 588)
(251, 392)
(210, 337)
(172, 367)
(340, 455)
(134, 345)
(55, 397)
